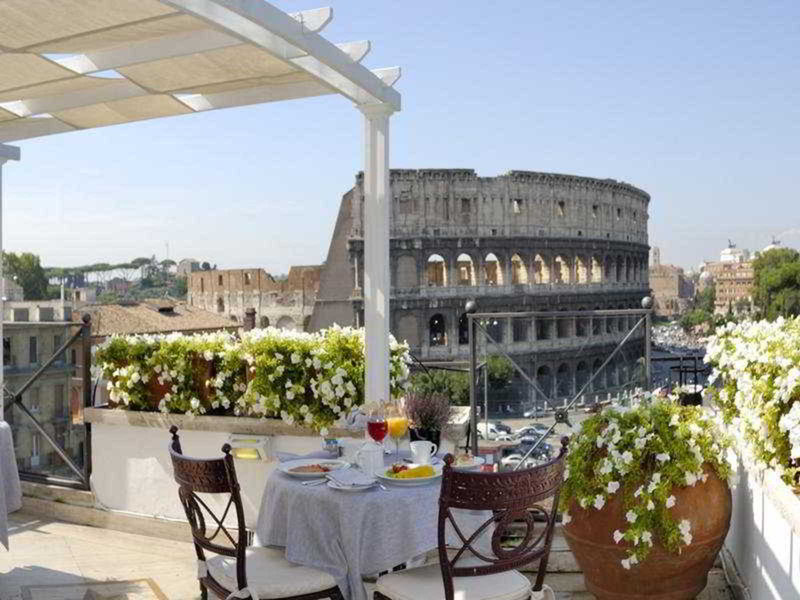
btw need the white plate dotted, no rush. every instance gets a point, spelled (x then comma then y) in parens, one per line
(286, 467)
(475, 465)
(350, 488)
(416, 480)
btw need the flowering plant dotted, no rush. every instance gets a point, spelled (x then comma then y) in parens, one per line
(757, 371)
(304, 378)
(431, 412)
(643, 453)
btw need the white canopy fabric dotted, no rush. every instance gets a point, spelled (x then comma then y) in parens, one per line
(68, 65)
(78, 64)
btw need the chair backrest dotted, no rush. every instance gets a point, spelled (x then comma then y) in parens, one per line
(512, 497)
(210, 476)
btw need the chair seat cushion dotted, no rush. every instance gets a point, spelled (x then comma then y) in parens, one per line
(269, 574)
(426, 582)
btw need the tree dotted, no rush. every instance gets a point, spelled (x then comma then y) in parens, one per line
(206, 266)
(776, 283)
(26, 269)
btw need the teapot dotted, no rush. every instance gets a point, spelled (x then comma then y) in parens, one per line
(369, 459)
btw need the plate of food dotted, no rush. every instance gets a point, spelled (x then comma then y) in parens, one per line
(311, 468)
(465, 462)
(410, 474)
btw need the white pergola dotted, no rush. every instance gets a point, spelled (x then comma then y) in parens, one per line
(67, 65)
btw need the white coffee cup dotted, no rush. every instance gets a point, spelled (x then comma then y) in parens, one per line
(423, 451)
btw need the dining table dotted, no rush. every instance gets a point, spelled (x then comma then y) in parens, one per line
(352, 534)
(10, 489)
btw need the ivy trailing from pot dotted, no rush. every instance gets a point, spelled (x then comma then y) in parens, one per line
(628, 472)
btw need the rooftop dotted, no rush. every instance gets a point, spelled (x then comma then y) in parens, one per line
(156, 316)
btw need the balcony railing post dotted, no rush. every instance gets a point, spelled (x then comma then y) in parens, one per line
(86, 377)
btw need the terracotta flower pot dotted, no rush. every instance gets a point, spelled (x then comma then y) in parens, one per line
(663, 575)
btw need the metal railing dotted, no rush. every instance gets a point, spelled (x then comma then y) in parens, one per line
(13, 400)
(477, 324)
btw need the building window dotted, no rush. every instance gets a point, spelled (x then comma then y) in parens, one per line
(438, 331)
(33, 398)
(561, 208)
(57, 344)
(516, 206)
(202, 285)
(220, 305)
(58, 391)
(33, 351)
(619, 214)
(247, 279)
(73, 356)
(219, 279)
(465, 205)
(7, 358)
(595, 210)
(36, 446)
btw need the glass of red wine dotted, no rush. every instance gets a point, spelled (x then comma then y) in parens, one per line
(377, 428)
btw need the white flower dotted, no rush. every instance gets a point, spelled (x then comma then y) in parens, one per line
(303, 409)
(612, 486)
(670, 502)
(691, 478)
(566, 473)
(650, 505)
(662, 457)
(627, 457)
(630, 516)
(194, 403)
(638, 491)
(626, 563)
(323, 432)
(685, 527)
(566, 518)
(599, 502)
(290, 395)
(295, 358)
(208, 355)
(618, 535)
(675, 420)
(647, 538)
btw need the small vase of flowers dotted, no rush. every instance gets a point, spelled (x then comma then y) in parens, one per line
(428, 415)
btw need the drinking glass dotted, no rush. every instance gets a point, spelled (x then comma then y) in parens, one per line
(377, 428)
(397, 423)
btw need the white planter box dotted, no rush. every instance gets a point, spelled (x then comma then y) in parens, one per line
(132, 471)
(764, 538)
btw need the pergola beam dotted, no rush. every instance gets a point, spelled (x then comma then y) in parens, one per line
(30, 128)
(115, 89)
(175, 45)
(267, 27)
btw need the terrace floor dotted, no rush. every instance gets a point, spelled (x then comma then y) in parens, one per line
(53, 560)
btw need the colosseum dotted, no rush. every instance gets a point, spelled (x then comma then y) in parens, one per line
(523, 241)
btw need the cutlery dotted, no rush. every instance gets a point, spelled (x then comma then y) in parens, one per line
(315, 482)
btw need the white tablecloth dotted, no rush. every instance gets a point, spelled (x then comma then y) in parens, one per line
(352, 534)
(10, 490)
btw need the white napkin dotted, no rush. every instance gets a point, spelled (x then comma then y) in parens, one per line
(350, 477)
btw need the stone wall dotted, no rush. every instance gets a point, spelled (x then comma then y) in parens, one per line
(285, 304)
(522, 241)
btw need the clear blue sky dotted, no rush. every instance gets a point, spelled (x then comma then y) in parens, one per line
(698, 103)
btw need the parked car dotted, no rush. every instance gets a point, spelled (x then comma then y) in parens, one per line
(502, 426)
(493, 432)
(533, 412)
(534, 429)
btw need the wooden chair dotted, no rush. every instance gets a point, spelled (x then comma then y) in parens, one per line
(236, 571)
(466, 572)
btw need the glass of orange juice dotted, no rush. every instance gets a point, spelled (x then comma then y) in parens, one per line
(397, 423)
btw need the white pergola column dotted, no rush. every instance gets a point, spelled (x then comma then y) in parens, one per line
(377, 276)
(6, 153)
